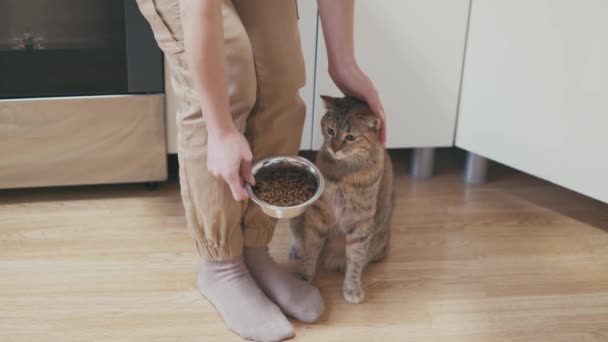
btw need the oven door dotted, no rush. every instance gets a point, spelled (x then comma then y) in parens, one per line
(75, 47)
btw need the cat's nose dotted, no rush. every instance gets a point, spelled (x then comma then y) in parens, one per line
(335, 146)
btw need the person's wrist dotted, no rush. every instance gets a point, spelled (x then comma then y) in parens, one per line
(217, 130)
(338, 68)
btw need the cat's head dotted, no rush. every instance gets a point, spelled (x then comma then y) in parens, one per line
(349, 127)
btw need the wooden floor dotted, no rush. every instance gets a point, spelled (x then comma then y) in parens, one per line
(517, 259)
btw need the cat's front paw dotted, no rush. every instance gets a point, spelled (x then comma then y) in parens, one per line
(307, 277)
(295, 253)
(336, 264)
(354, 294)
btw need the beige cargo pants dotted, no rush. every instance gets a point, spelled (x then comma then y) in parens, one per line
(265, 71)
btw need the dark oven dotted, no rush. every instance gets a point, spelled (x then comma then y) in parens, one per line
(76, 47)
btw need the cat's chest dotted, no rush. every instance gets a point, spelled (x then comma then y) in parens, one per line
(337, 198)
(348, 203)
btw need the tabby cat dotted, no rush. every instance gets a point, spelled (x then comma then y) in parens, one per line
(349, 226)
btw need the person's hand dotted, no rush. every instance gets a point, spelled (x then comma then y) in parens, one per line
(229, 158)
(352, 81)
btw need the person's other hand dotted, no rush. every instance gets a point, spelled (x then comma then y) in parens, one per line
(229, 158)
(352, 81)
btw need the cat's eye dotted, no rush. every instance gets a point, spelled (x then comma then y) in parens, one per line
(350, 137)
(331, 132)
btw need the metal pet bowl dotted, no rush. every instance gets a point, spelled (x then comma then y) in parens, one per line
(296, 210)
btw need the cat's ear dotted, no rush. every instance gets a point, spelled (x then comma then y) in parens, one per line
(330, 102)
(373, 122)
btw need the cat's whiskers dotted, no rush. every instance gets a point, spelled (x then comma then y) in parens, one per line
(337, 155)
(331, 152)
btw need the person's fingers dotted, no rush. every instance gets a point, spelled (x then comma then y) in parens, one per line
(247, 155)
(238, 191)
(373, 100)
(383, 133)
(236, 187)
(376, 106)
(246, 173)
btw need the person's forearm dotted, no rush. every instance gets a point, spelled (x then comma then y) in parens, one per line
(337, 17)
(204, 43)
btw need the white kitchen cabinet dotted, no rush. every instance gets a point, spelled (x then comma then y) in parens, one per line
(413, 50)
(307, 11)
(535, 87)
(170, 113)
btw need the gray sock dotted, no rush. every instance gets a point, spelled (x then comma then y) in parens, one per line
(296, 297)
(243, 306)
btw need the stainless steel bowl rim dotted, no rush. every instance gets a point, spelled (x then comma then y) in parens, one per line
(316, 173)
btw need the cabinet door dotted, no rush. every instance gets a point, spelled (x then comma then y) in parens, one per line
(535, 87)
(307, 11)
(170, 113)
(413, 50)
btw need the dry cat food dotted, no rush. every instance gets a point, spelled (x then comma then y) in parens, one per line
(284, 186)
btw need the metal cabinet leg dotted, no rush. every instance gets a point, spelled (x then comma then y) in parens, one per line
(476, 169)
(423, 162)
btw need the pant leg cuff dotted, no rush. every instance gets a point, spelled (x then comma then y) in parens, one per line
(218, 252)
